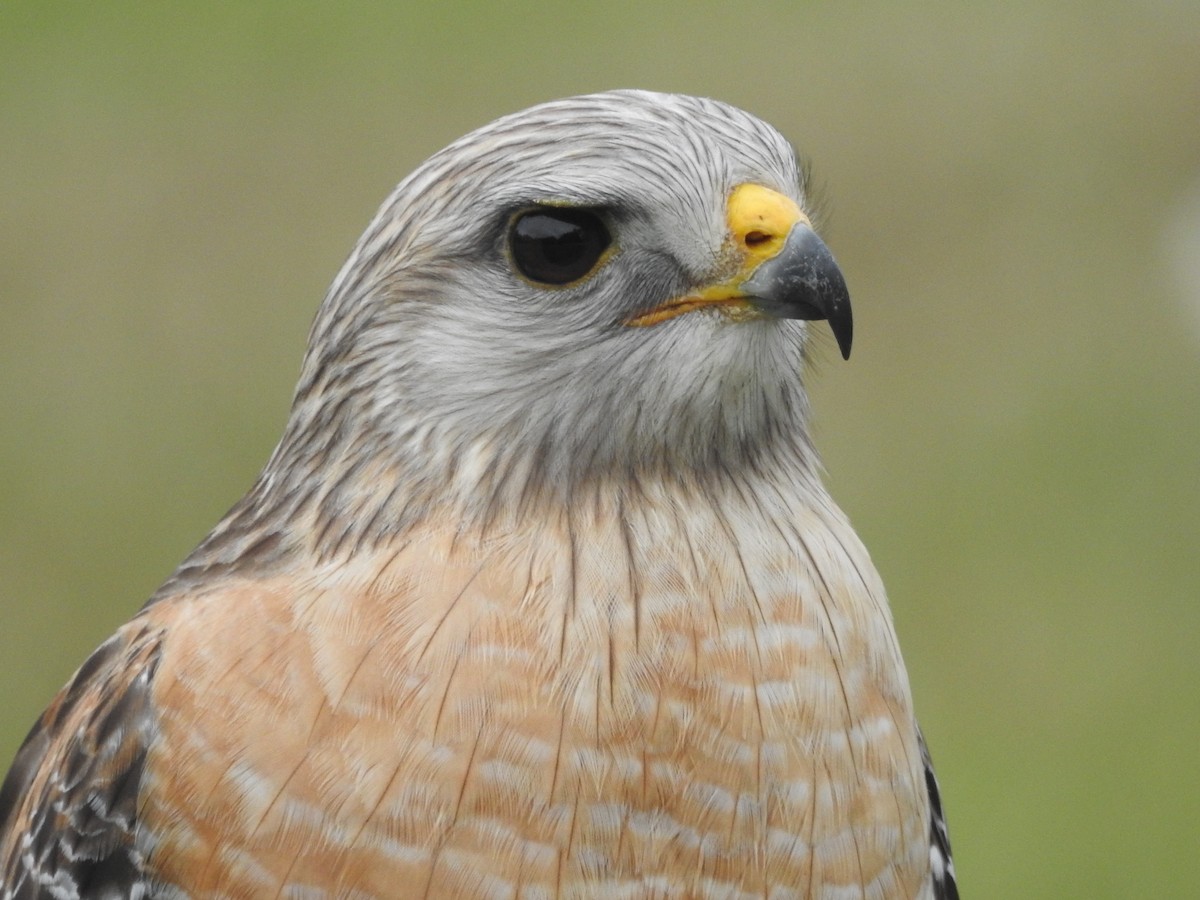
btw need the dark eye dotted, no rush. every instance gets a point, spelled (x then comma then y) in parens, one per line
(557, 246)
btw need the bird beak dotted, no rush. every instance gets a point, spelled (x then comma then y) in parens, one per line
(786, 271)
(804, 282)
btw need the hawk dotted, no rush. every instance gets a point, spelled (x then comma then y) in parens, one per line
(540, 594)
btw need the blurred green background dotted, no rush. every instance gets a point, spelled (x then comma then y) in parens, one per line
(1013, 192)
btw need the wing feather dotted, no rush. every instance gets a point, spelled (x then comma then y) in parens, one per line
(945, 886)
(68, 808)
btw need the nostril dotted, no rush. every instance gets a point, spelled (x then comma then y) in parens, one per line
(754, 238)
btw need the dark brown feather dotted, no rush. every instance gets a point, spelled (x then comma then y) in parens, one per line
(68, 808)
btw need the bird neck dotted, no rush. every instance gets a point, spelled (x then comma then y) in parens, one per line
(322, 504)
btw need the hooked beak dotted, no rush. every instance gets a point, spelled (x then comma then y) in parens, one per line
(786, 271)
(804, 282)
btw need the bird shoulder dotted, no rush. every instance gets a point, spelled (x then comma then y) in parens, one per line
(69, 805)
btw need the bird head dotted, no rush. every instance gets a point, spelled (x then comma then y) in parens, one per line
(613, 282)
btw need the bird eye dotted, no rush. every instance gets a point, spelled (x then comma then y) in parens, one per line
(553, 245)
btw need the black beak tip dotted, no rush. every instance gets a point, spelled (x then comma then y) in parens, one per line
(839, 315)
(842, 326)
(831, 296)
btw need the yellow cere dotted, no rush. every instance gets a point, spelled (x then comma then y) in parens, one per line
(760, 220)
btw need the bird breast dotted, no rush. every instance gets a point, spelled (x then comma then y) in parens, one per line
(628, 698)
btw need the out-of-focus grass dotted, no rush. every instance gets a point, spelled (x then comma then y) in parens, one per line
(1016, 435)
